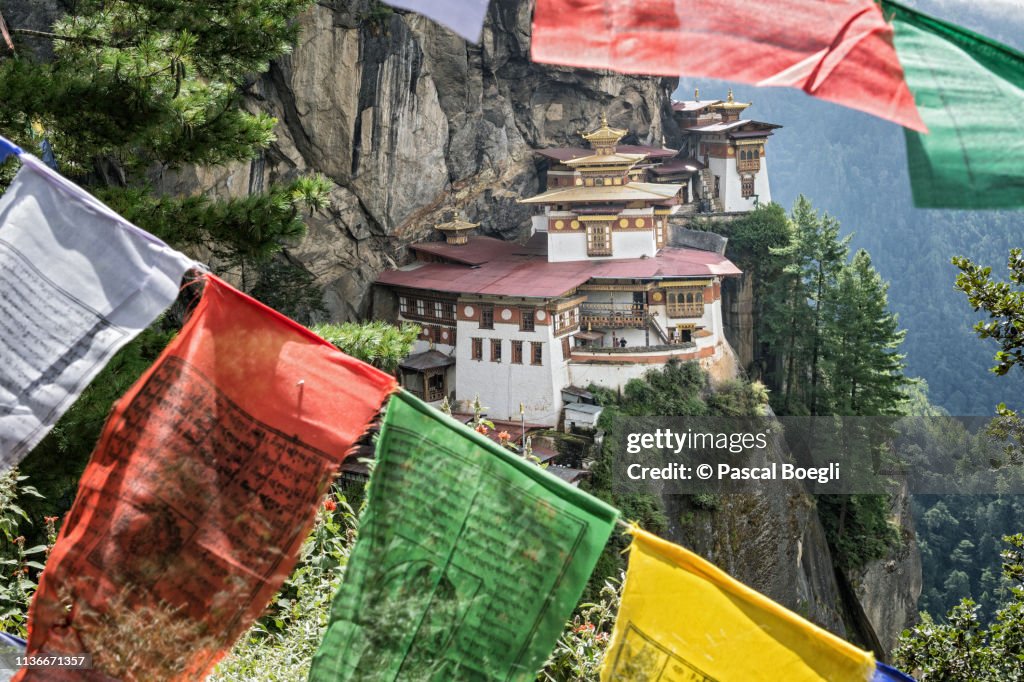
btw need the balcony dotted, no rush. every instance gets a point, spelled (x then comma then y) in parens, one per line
(654, 354)
(612, 316)
(748, 165)
(685, 310)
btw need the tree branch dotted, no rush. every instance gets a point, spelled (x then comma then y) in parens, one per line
(56, 36)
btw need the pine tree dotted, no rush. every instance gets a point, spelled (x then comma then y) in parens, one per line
(138, 85)
(133, 87)
(864, 367)
(814, 257)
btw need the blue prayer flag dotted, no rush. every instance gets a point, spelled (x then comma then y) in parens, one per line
(7, 148)
(885, 673)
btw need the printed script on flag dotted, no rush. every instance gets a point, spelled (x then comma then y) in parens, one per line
(684, 620)
(970, 91)
(837, 50)
(77, 282)
(469, 559)
(203, 486)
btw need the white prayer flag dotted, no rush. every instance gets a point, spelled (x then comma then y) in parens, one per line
(77, 282)
(465, 17)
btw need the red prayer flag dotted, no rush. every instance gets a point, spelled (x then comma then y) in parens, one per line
(837, 50)
(203, 486)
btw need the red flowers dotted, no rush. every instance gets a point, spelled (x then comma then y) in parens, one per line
(504, 436)
(482, 429)
(330, 505)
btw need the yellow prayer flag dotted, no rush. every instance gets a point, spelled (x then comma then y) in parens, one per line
(683, 619)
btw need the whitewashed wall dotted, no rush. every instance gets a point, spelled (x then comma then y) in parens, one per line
(503, 385)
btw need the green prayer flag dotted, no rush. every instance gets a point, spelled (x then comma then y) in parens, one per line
(970, 92)
(469, 560)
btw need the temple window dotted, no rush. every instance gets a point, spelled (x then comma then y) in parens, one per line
(403, 305)
(487, 317)
(495, 350)
(687, 302)
(527, 323)
(599, 239)
(537, 355)
(747, 186)
(517, 352)
(478, 349)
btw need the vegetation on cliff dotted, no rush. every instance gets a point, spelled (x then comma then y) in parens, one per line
(964, 648)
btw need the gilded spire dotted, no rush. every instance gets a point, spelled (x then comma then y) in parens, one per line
(731, 105)
(604, 139)
(696, 94)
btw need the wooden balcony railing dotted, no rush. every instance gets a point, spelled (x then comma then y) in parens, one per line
(686, 310)
(614, 316)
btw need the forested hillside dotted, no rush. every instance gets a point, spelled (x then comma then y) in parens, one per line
(854, 166)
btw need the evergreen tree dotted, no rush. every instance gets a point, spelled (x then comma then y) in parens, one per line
(813, 260)
(751, 241)
(138, 85)
(123, 90)
(861, 340)
(963, 649)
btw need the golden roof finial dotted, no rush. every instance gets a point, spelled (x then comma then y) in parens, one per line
(731, 100)
(605, 136)
(456, 231)
(696, 94)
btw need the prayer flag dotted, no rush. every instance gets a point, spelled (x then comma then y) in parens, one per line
(469, 559)
(203, 486)
(77, 282)
(885, 673)
(682, 618)
(837, 50)
(7, 148)
(11, 648)
(969, 90)
(465, 17)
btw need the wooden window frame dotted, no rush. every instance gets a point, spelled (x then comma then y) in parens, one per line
(517, 352)
(527, 319)
(599, 239)
(495, 350)
(685, 302)
(477, 348)
(747, 187)
(486, 316)
(537, 353)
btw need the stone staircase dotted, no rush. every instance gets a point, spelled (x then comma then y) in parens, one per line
(707, 189)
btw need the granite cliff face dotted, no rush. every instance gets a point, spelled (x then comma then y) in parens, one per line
(409, 121)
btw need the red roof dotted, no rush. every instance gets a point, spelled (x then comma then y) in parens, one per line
(570, 153)
(678, 166)
(516, 270)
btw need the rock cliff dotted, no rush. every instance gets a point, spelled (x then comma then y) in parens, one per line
(409, 121)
